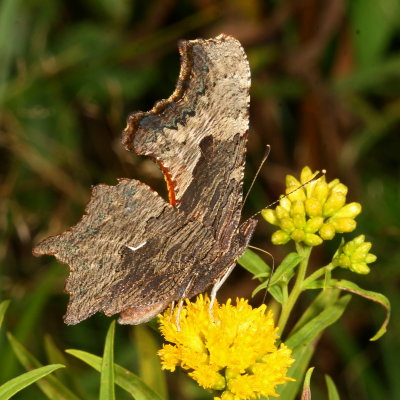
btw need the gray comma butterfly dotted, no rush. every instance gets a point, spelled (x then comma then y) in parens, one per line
(133, 253)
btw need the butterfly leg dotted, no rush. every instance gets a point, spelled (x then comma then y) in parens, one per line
(178, 315)
(172, 309)
(180, 305)
(216, 287)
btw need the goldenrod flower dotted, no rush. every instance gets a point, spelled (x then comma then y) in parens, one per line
(234, 354)
(313, 213)
(354, 255)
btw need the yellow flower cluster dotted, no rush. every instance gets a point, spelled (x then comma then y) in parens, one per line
(313, 213)
(234, 354)
(354, 255)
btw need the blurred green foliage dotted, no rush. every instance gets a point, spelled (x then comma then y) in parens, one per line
(325, 93)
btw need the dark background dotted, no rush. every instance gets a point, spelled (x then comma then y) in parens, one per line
(325, 93)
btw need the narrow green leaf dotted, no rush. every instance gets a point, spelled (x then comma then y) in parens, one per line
(3, 308)
(276, 292)
(123, 377)
(56, 356)
(324, 299)
(286, 268)
(52, 387)
(107, 390)
(32, 305)
(351, 287)
(8, 13)
(15, 385)
(373, 25)
(306, 394)
(372, 77)
(283, 274)
(149, 362)
(333, 393)
(308, 332)
(253, 263)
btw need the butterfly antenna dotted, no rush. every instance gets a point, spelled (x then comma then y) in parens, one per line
(272, 269)
(315, 178)
(266, 154)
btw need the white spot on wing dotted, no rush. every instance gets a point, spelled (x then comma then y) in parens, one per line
(137, 247)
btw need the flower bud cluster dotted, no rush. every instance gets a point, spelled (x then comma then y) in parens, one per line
(312, 213)
(354, 255)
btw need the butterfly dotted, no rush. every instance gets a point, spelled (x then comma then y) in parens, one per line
(133, 253)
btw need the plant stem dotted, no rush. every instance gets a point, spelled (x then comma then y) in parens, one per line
(287, 307)
(316, 274)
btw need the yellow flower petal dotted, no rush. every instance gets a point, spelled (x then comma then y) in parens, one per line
(226, 353)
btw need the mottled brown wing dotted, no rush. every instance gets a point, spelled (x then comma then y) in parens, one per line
(133, 253)
(199, 134)
(129, 253)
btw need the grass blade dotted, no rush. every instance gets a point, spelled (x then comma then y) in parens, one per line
(306, 395)
(3, 308)
(123, 377)
(32, 307)
(15, 385)
(311, 330)
(333, 393)
(52, 387)
(107, 390)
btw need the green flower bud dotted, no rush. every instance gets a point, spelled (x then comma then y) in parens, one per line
(287, 225)
(357, 240)
(309, 188)
(342, 225)
(327, 231)
(280, 237)
(313, 207)
(314, 224)
(349, 247)
(292, 181)
(285, 203)
(299, 221)
(360, 268)
(306, 174)
(311, 239)
(361, 252)
(314, 213)
(321, 190)
(350, 210)
(334, 202)
(281, 212)
(270, 216)
(333, 183)
(295, 193)
(345, 261)
(297, 208)
(354, 255)
(298, 235)
(370, 258)
(340, 188)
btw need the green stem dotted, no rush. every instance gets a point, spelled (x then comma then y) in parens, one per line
(316, 274)
(297, 288)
